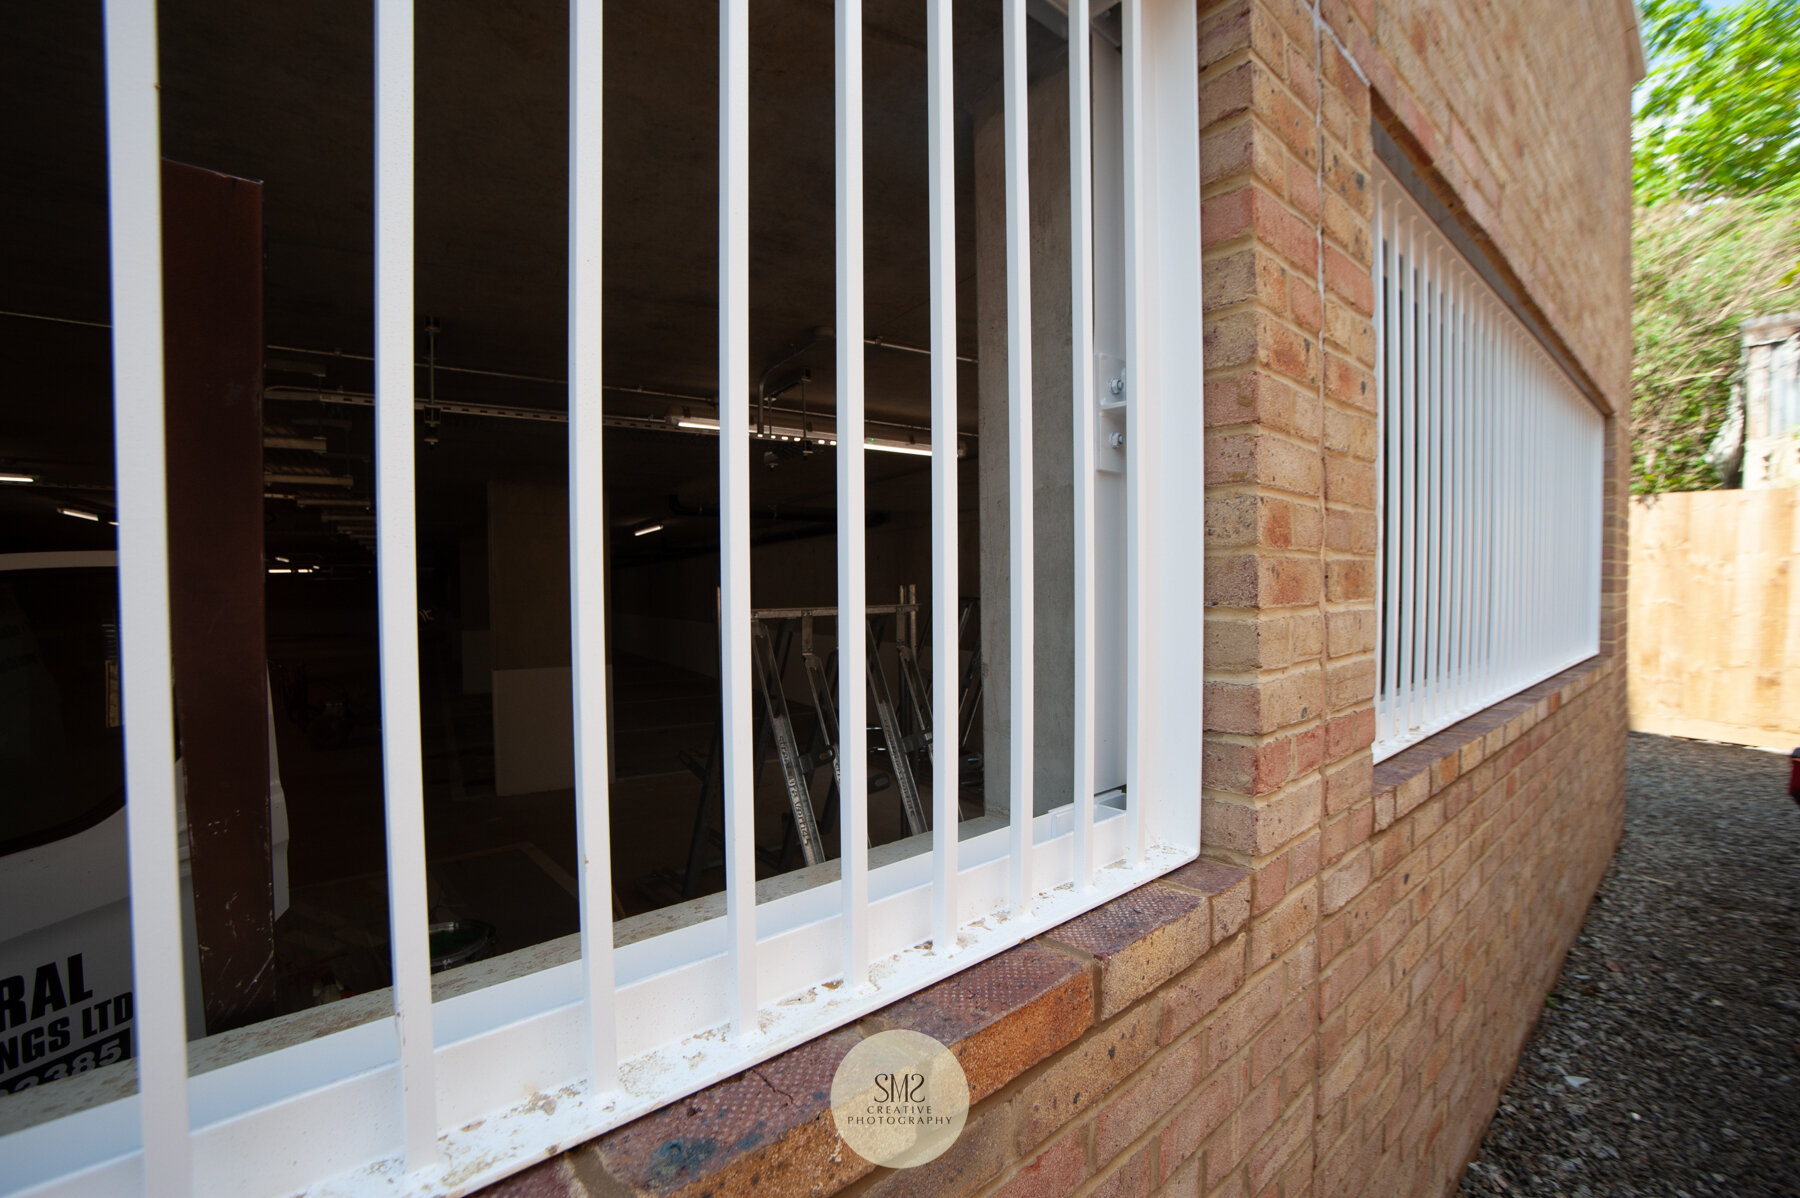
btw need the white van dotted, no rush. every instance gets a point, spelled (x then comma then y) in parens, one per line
(65, 924)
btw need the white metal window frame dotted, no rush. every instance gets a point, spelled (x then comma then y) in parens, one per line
(444, 1097)
(1491, 467)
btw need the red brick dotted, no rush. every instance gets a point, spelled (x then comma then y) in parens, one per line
(977, 1157)
(1288, 1137)
(1128, 1180)
(1204, 1114)
(782, 1109)
(1247, 1013)
(1345, 880)
(1153, 1094)
(1002, 1016)
(1078, 1079)
(1284, 1036)
(1140, 940)
(1056, 1171)
(1282, 928)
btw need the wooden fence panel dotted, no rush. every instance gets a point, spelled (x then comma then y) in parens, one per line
(1715, 616)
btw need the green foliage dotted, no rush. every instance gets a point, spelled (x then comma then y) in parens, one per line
(1697, 271)
(1719, 113)
(1716, 237)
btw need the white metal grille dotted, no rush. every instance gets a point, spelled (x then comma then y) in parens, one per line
(447, 1096)
(1491, 466)
(1784, 388)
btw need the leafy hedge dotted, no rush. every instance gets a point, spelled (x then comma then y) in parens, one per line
(1698, 270)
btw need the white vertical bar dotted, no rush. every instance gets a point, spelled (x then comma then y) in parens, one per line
(1472, 698)
(1429, 498)
(1478, 448)
(1022, 759)
(1548, 468)
(1442, 495)
(1459, 534)
(734, 509)
(1597, 526)
(1534, 501)
(1446, 488)
(1570, 439)
(587, 541)
(1134, 56)
(1448, 497)
(1490, 496)
(1522, 644)
(1408, 605)
(1427, 488)
(1537, 488)
(1516, 500)
(945, 657)
(1550, 514)
(1166, 360)
(1453, 488)
(134, 194)
(1549, 533)
(1498, 487)
(1081, 317)
(1378, 280)
(853, 793)
(1485, 459)
(1434, 642)
(1392, 414)
(1481, 447)
(1506, 569)
(397, 576)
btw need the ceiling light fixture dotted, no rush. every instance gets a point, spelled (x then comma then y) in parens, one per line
(280, 570)
(777, 432)
(922, 451)
(647, 530)
(18, 478)
(79, 514)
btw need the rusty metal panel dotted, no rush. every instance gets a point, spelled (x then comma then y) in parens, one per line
(213, 338)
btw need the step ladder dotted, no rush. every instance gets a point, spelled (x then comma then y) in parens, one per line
(904, 728)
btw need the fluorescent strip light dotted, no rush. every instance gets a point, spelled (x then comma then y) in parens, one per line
(920, 451)
(280, 570)
(79, 514)
(647, 530)
(777, 432)
(18, 478)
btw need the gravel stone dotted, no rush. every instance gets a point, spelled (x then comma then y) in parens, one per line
(1679, 1005)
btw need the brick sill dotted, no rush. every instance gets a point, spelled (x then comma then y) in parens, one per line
(1409, 777)
(1019, 1023)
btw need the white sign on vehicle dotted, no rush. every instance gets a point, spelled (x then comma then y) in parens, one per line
(65, 1000)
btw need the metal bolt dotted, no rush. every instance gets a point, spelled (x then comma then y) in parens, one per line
(1118, 386)
(1117, 440)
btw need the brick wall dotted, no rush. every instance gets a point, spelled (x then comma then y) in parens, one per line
(1329, 1003)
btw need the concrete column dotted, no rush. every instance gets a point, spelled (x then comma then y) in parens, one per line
(1052, 489)
(528, 591)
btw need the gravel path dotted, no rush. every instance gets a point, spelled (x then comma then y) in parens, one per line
(1667, 1061)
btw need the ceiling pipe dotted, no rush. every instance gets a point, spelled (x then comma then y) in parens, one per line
(364, 399)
